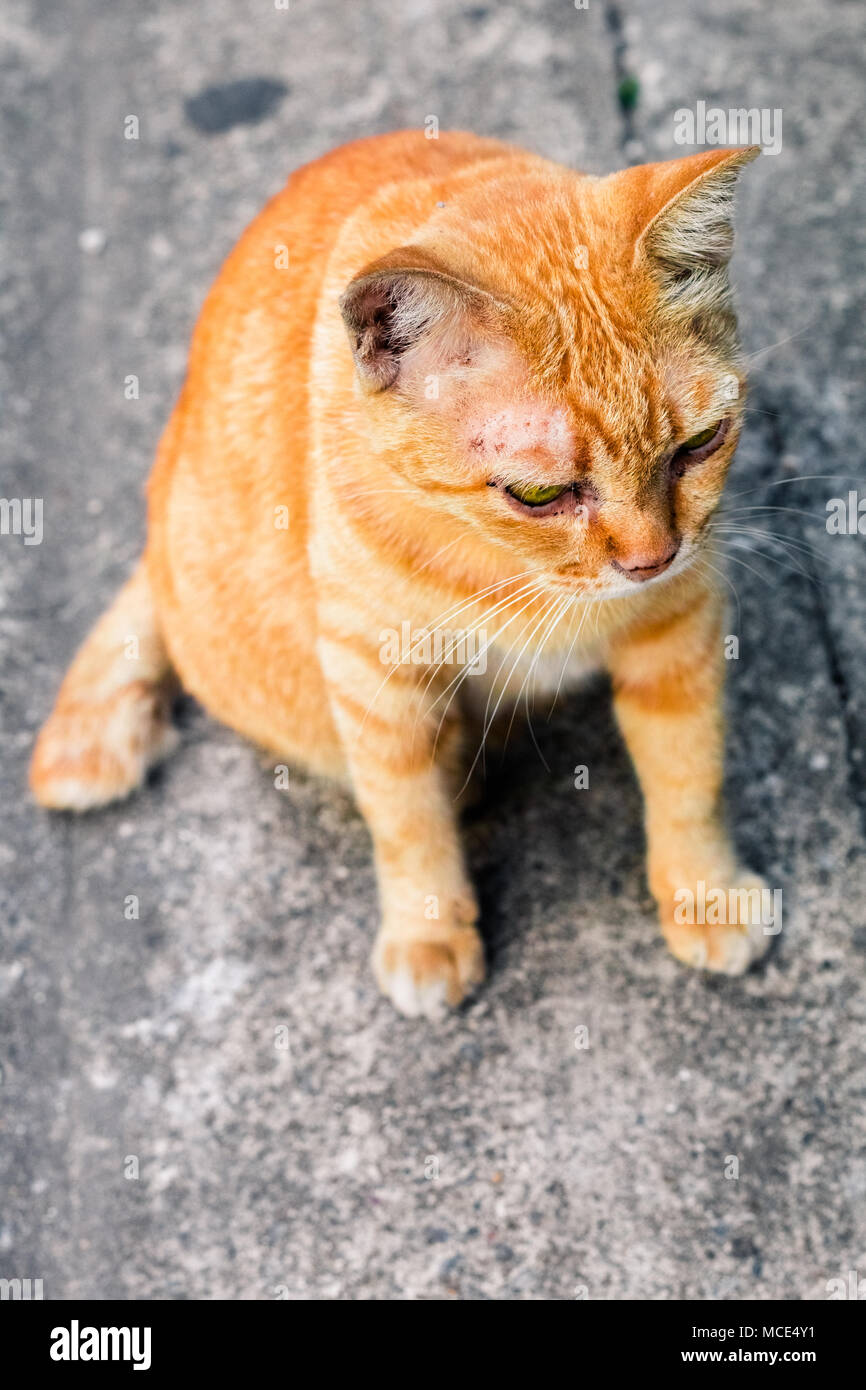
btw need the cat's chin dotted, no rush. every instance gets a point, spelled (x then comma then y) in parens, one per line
(593, 591)
(583, 590)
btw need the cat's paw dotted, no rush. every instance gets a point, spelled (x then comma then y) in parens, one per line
(89, 754)
(425, 976)
(724, 930)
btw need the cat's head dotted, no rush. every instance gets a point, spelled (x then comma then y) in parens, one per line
(554, 360)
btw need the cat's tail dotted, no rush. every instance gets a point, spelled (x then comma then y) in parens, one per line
(112, 719)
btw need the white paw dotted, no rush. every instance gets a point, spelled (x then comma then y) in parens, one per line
(424, 977)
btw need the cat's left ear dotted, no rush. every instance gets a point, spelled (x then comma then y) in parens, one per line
(682, 208)
(407, 304)
(679, 221)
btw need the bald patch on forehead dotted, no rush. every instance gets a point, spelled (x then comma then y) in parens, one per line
(495, 432)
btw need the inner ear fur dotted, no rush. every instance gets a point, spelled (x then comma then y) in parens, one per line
(402, 299)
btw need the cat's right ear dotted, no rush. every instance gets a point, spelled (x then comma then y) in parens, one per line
(406, 305)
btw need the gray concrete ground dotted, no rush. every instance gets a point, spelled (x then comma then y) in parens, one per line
(312, 1171)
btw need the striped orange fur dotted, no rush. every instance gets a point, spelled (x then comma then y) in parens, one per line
(413, 342)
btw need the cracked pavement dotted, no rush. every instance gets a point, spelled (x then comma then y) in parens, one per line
(374, 1157)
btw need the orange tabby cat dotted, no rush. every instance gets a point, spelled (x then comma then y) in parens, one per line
(443, 387)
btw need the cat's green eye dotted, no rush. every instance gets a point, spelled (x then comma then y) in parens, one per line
(535, 494)
(697, 441)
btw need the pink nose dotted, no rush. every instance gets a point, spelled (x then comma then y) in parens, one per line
(640, 567)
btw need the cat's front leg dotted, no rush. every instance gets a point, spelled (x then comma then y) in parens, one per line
(428, 954)
(667, 680)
